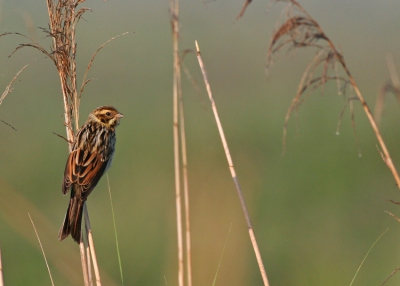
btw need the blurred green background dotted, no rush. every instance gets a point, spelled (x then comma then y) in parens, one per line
(316, 210)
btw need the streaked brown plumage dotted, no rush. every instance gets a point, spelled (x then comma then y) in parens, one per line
(91, 156)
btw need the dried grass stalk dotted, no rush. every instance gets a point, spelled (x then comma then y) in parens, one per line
(177, 93)
(41, 247)
(84, 263)
(232, 170)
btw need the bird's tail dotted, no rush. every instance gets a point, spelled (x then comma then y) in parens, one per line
(73, 220)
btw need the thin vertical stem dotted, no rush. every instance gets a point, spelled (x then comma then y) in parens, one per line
(89, 264)
(185, 192)
(41, 247)
(115, 231)
(83, 262)
(174, 6)
(91, 246)
(232, 170)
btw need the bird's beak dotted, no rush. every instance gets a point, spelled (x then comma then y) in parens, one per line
(120, 115)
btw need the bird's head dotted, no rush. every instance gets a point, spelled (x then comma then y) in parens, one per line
(106, 115)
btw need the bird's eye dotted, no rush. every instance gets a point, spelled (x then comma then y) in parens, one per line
(108, 113)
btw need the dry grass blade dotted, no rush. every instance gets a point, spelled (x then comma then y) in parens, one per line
(85, 81)
(33, 44)
(8, 88)
(9, 125)
(115, 232)
(41, 247)
(390, 276)
(393, 215)
(245, 5)
(62, 137)
(80, 13)
(301, 30)
(366, 255)
(397, 269)
(232, 170)
(222, 254)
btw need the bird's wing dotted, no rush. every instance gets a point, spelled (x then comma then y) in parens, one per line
(85, 169)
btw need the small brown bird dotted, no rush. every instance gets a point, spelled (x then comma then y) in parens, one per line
(91, 156)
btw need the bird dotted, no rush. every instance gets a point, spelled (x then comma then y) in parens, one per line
(91, 155)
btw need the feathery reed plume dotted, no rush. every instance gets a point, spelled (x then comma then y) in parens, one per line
(300, 30)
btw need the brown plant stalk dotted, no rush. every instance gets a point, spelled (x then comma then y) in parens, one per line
(232, 170)
(174, 9)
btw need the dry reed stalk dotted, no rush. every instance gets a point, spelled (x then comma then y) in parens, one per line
(174, 9)
(185, 192)
(85, 269)
(232, 170)
(301, 30)
(91, 247)
(1, 271)
(89, 265)
(41, 247)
